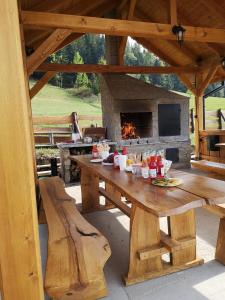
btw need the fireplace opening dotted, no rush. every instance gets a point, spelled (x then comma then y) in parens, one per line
(136, 125)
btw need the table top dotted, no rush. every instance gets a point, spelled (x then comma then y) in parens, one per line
(196, 191)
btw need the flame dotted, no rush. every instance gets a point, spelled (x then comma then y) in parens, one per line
(128, 131)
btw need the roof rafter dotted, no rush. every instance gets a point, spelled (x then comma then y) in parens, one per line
(123, 40)
(83, 24)
(88, 68)
(46, 49)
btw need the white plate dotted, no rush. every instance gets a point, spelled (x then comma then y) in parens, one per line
(107, 164)
(96, 160)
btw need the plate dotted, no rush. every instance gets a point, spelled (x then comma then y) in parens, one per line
(96, 160)
(167, 182)
(107, 164)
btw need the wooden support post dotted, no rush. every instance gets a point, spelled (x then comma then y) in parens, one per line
(173, 12)
(41, 83)
(90, 191)
(198, 122)
(123, 40)
(19, 248)
(220, 247)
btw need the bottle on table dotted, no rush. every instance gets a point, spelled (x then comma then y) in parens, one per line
(160, 167)
(116, 159)
(94, 152)
(123, 159)
(153, 167)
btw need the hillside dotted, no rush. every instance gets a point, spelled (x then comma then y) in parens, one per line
(54, 101)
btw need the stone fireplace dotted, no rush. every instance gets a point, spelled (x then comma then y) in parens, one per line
(142, 116)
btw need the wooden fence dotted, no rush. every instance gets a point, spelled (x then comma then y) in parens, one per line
(214, 119)
(50, 130)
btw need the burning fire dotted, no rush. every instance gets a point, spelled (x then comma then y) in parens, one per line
(128, 131)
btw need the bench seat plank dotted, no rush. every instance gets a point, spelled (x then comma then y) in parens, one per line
(77, 251)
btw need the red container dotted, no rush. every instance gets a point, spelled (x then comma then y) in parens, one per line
(153, 167)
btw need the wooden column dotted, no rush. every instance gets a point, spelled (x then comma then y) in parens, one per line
(19, 248)
(198, 121)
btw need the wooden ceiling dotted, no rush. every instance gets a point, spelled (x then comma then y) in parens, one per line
(195, 13)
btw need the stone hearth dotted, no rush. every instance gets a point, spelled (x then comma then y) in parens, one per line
(167, 126)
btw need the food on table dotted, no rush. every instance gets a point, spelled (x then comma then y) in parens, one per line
(102, 147)
(109, 159)
(167, 182)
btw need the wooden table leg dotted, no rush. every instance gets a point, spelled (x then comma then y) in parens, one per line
(148, 244)
(182, 229)
(89, 190)
(220, 247)
(113, 191)
(144, 234)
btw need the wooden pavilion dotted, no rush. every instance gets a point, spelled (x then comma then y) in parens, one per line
(30, 31)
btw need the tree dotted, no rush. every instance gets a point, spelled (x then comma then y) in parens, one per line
(81, 79)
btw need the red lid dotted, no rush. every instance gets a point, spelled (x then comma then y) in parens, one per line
(124, 152)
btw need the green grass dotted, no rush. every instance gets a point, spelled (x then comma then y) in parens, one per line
(54, 101)
(212, 103)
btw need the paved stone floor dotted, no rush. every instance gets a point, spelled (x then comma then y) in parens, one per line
(200, 283)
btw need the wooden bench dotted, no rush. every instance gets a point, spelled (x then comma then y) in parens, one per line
(219, 210)
(77, 251)
(209, 166)
(217, 171)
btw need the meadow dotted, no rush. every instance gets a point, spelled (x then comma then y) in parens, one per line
(55, 101)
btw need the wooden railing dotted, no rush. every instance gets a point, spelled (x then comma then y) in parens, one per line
(50, 130)
(214, 119)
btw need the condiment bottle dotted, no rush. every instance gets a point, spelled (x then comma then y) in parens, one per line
(94, 152)
(116, 159)
(123, 159)
(160, 167)
(153, 167)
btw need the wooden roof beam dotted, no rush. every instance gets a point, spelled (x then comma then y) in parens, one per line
(88, 68)
(83, 24)
(123, 40)
(41, 83)
(173, 12)
(46, 49)
(204, 84)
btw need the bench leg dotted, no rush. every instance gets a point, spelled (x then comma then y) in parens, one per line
(90, 191)
(220, 247)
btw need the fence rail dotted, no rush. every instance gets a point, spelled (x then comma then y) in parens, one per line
(214, 119)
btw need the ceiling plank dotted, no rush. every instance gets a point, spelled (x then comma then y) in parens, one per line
(173, 12)
(41, 83)
(88, 68)
(82, 7)
(83, 24)
(45, 49)
(123, 40)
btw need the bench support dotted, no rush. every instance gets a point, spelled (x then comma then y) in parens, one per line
(220, 247)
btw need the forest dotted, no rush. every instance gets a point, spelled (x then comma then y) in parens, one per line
(89, 49)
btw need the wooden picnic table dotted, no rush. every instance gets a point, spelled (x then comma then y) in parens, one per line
(144, 204)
